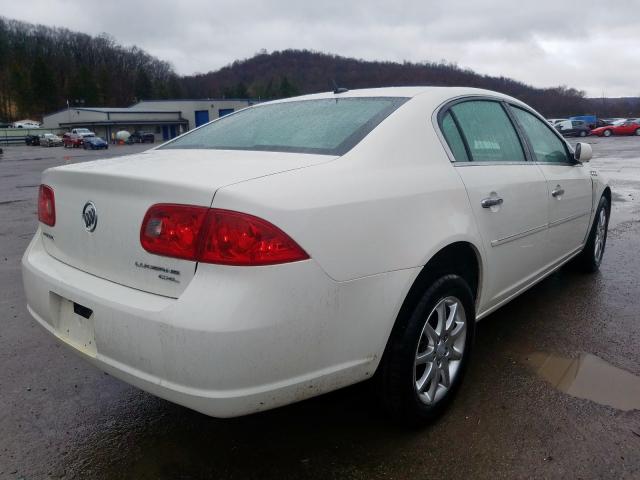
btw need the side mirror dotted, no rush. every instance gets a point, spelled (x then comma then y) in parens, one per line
(583, 152)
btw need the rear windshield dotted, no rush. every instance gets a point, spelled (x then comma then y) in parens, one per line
(330, 126)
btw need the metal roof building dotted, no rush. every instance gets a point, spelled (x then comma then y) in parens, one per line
(165, 118)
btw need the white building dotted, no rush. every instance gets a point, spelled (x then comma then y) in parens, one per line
(164, 118)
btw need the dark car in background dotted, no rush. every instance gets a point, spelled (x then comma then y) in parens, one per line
(141, 137)
(32, 140)
(94, 143)
(573, 128)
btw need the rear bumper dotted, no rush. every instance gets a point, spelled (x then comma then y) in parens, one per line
(237, 341)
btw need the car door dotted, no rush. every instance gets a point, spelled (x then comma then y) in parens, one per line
(507, 193)
(570, 196)
(565, 127)
(627, 128)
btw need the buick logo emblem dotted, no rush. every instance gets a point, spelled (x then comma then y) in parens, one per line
(90, 217)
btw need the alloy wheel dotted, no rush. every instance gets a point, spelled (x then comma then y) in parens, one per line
(601, 232)
(440, 350)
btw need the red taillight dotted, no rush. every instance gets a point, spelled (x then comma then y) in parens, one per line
(46, 205)
(234, 238)
(216, 236)
(173, 230)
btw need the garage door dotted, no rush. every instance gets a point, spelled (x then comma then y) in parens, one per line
(202, 117)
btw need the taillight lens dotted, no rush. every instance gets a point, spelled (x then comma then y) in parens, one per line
(173, 230)
(234, 238)
(46, 205)
(216, 236)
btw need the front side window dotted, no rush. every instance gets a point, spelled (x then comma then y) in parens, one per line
(329, 126)
(547, 147)
(488, 131)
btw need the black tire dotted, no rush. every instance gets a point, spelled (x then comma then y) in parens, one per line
(589, 259)
(607, 133)
(396, 376)
(638, 132)
(583, 133)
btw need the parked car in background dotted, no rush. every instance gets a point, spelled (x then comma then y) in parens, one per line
(83, 132)
(26, 124)
(72, 140)
(32, 140)
(573, 128)
(50, 140)
(553, 121)
(222, 271)
(603, 122)
(141, 137)
(589, 120)
(626, 127)
(94, 143)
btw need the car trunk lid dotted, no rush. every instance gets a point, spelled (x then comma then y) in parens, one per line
(122, 189)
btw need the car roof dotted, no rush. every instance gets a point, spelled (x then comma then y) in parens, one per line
(434, 95)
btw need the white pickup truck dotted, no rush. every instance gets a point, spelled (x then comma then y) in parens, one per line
(83, 132)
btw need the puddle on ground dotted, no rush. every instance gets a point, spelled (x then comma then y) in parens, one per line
(589, 377)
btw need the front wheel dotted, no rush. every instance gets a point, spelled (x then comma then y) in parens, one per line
(607, 133)
(638, 132)
(583, 133)
(427, 353)
(590, 258)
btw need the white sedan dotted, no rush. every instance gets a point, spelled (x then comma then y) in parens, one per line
(302, 245)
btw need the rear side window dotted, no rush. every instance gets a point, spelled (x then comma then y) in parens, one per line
(488, 132)
(546, 145)
(330, 126)
(454, 139)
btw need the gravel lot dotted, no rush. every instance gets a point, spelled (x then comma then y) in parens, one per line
(516, 415)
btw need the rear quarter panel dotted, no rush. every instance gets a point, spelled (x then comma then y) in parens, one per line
(390, 203)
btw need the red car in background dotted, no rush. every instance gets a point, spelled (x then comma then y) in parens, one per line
(72, 140)
(629, 127)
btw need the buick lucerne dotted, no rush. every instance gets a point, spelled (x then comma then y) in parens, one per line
(306, 244)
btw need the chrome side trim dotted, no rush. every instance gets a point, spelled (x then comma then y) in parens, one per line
(568, 219)
(516, 236)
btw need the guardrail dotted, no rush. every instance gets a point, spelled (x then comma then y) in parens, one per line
(15, 136)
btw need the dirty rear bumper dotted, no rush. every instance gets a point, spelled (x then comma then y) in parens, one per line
(237, 341)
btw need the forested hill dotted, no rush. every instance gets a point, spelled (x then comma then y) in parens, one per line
(42, 67)
(291, 72)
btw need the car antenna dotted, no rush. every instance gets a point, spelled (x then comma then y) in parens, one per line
(336, 89)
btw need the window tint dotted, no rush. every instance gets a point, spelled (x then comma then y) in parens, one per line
(488, 131)
(547, 147)
(330, 126)
(452, 135)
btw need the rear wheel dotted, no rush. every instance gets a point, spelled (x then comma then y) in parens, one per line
(638, 131)
(427, 352)
(590, 258)
(583, 133)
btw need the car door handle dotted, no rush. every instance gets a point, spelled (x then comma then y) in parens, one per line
(491, 202)
(557, 191)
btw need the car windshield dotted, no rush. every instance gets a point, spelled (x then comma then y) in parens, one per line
(330, 126)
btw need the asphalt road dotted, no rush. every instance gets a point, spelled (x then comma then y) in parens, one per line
(552, 392)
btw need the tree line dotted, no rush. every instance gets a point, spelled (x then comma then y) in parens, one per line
(41, 68)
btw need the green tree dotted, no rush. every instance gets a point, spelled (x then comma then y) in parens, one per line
(143, 87)
(43, 86)
(288, 89)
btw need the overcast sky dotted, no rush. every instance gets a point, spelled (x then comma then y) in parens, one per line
(590, 45)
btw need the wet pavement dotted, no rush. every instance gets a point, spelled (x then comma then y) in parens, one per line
(552, 390)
